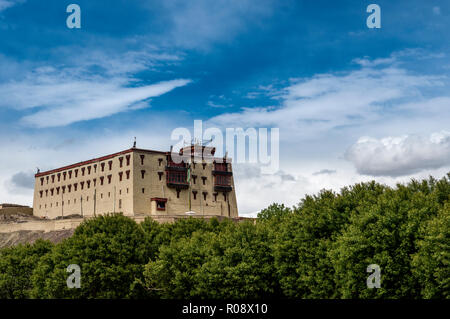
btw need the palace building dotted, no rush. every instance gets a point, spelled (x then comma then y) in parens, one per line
(139, 182)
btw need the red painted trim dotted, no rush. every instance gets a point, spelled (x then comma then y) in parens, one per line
(158, 199)
(98, 159)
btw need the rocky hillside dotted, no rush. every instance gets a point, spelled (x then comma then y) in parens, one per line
(30, 236)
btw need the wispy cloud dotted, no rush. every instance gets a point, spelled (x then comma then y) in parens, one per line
(198, 24)
(5, 4)
(89, 89)
(312, 107)
(325, 172)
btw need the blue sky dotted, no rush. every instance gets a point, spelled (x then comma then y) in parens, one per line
(352, 103)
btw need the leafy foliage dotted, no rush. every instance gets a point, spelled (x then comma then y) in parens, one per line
(317, 249)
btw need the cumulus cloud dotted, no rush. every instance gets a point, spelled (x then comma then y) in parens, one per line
(399, 156)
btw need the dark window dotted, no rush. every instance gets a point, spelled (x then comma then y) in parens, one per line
(95, 168)
(47, 179)
(143, 190)
(75, 187)
(53, 178)
(88, 184)
(204, 165)
(120, 176)
(46, 193)
(101, 179)
(160, 174)
(70, 174)
(57, 190)
(160, 205)
(76, 173)
(89, 170)
(194, 178)
(128, 174)
(82, 171)
(64, 175)
(63, 189)
(220, 167)
(121, 161)
(142, 159)
(120, 204)
(224, 196)
(160, 161)
(223, 180)
(204, 180)
(110, 165)
(103, 166)
(42, 181)
(52, 191)
(195, 194)
(95, 181)
(82, 185)
(128, 160)
(59, 177)
(69, 187)
(109, 179)
(204, 195)
(143, 173)
(215, 197)
(178, 193)
(176, 177)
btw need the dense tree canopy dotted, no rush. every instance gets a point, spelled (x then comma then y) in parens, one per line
(318, 249)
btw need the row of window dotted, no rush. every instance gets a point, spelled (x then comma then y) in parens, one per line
(82, 184)
(194, 194)
(87, 170)
(84, 171)
(75, 201)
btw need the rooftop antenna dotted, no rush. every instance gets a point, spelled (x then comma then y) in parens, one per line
(38, 170)
(134, 144)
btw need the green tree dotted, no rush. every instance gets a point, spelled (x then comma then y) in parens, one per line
(16, 267)
(303, 239)
(111, 252)
(234, 263)
(431, 264)
(385, 233)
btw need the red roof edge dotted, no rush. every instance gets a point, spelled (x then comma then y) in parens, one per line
(98, 159)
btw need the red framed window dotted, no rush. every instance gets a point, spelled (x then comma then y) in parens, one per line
(176, 177)
(223, 180)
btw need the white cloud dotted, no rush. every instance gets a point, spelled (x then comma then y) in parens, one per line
(324, 102)
(66, 94)
(398, 156)
(66, 103)
(197, 24)
(321, 116)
